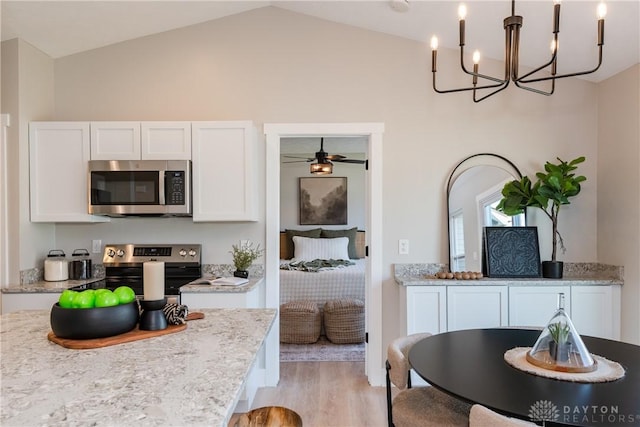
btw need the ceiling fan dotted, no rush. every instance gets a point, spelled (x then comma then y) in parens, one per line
(323, 161)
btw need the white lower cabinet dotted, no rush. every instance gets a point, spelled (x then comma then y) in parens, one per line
(429, 307)
(470, 307)
(196, 300)
(595, 310)
(28, 301)
(533, 306)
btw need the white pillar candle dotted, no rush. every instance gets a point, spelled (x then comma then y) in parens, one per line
(153, 280)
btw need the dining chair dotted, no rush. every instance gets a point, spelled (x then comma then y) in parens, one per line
(481, 416)
(418, 406)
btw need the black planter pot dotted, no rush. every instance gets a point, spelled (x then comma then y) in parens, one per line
(559, 352)
(241, 273)
(552, 269)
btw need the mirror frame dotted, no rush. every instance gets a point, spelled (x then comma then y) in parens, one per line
(466, 164)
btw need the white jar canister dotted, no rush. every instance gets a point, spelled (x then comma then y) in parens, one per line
(56, 266)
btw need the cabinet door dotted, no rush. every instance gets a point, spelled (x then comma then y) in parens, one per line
(166, 140)
(470, 307)
(533, 306)
(595, 310)
(28, 301)
(426, 308)
(115, 141)
(58, 159)
(223, 171)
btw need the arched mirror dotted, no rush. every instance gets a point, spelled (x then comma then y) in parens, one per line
(473, 191)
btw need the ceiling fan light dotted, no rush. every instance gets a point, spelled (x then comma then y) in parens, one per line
(321, 168)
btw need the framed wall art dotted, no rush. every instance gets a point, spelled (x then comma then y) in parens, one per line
(511, 252)
(323, 201)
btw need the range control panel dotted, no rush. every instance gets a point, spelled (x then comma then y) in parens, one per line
(170, 253)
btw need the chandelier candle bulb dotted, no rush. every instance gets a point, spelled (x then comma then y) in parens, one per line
(153, 284)
(462, 13)
(602, 12)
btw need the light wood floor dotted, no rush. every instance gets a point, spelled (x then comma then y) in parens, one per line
(327, 394)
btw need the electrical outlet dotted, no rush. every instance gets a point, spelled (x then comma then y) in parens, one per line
(403, 246)
(96, 246)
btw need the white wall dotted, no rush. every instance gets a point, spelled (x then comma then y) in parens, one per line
(619, 188)
(27, 94)
(290, 200)
(271, 65)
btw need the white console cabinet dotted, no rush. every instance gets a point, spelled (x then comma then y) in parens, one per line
(58, 156)
(223, 170)
(593, 308)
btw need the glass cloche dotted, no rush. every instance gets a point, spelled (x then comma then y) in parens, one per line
(559, 346)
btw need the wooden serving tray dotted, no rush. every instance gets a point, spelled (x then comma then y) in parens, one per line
(133, 335)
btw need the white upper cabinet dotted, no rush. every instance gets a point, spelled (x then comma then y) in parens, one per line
(166, 140)
(140, 140)
(115, 141)
(223, 171)
(58, 156)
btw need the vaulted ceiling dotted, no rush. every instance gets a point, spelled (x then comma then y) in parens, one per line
(61, 28)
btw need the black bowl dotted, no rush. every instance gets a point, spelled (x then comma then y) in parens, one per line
(99, 322)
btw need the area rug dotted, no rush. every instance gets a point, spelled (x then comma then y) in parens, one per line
(321, 351)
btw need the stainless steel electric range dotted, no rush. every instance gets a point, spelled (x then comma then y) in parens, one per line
(123, 265)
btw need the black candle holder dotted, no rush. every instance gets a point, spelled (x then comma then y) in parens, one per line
(152, 317)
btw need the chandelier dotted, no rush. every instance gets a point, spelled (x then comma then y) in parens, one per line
(512, 26)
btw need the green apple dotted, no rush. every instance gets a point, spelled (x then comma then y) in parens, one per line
(125, 294)
(84, 299)
(99, 291)
(66, 298)
(106, 299)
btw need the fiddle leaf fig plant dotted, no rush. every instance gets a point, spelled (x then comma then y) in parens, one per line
(552, 189)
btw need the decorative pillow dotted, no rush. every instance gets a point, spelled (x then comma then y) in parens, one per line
(304, 233)
(350, 233)
(307, 249)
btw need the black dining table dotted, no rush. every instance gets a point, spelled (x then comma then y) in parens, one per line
(470, 365)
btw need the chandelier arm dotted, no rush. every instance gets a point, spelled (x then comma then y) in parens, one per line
(522, 78)
(538, 91)
(483, 76)
(476, 100)
(562, 76)
(464, 89)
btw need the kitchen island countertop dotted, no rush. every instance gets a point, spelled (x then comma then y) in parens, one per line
(194, 377)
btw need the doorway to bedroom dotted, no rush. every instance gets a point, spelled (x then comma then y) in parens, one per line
(372, 134)
(322, 247)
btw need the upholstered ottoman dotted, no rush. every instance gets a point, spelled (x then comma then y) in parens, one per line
(300, 322)
(344, 321)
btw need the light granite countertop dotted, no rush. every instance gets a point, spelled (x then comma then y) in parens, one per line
(576, 274)
(193, 377)
(48, 287)
(208, 289)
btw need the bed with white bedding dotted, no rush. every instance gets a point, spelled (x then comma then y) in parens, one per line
(325, 285)
(339, 282)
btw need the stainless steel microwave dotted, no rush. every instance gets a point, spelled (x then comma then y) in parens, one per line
(140, 187)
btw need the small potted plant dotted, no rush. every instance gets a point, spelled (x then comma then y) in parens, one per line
(243, 256)
(552, 189)
(560, 347)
